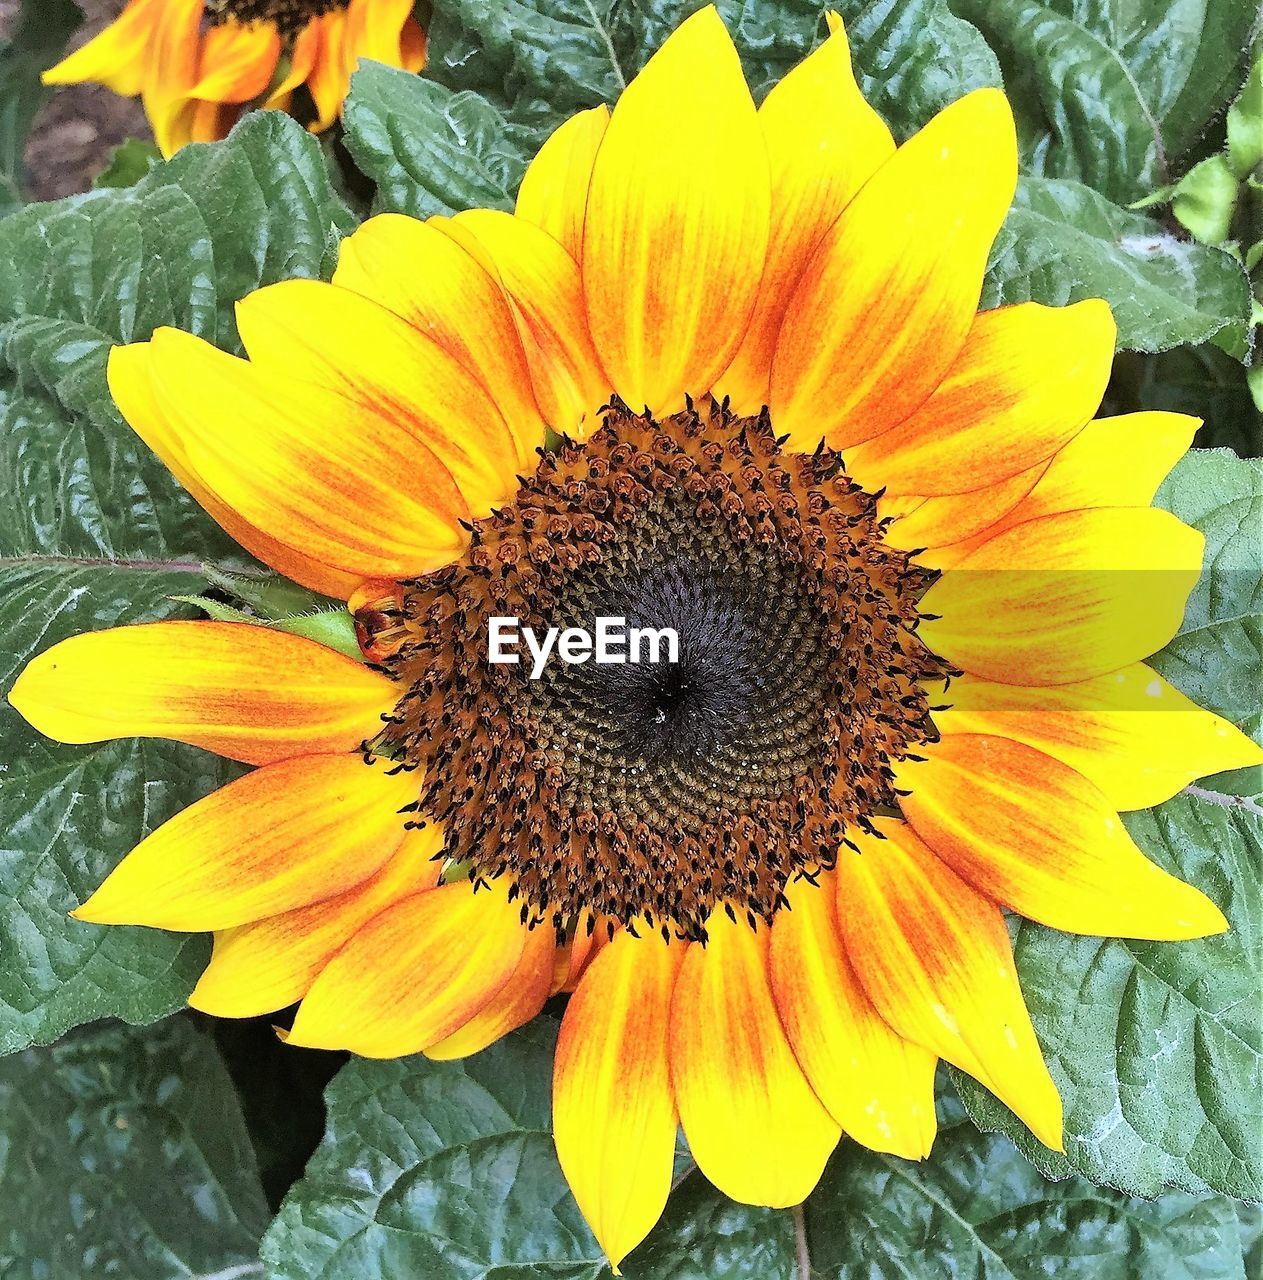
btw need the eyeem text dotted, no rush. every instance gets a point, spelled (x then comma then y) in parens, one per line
(612, 643)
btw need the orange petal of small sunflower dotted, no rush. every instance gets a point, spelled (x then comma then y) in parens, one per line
(1040, 838)
(243, 691)
(935, 958)
(237, 62)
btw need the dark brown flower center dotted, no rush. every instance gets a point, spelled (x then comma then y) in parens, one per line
(288, 16)
(665, 789)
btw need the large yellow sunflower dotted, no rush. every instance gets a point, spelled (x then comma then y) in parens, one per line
(913, 583)
(197, 64)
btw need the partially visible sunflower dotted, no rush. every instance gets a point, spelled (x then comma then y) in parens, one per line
(197, 64)
(913, 582)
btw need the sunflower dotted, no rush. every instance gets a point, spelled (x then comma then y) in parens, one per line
(721, 371)
(197, 64)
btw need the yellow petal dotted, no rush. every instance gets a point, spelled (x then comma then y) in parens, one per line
(403, 376)
(237, 62)
(1024, 383)
(677, 220)
(935, 958)
(517, 1002)
(330, 77)
(242, 691)
(1031, 833)
(117, 57)
(933, 522)
(1065, 597)
(614, 1117)
(878, 1086)
(554, 190)
(265, 965)
(302, 61)
(288, 834)
(546, 294)
(173, 56)
(130, 374)
(889, 296)
(1129, 732)
(823, 142)
(753, 1123)
(346, 485)
(414, 974)
(418, 272)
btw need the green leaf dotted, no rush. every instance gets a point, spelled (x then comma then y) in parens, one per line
(96, 533)
(1245, 124)
(1217, 657)
(976, 1210)
(124, 1154)
(130, 161)
(430, 150)
(1205, 200)
(1113, 95)
(44, 26)
(1062, 241)
(1155, 1046)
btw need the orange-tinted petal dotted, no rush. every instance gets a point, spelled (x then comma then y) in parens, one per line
(131, 385)
(1024, 383)
(237, 62)
(414, 974)
(545, 291)
(614, 1117)
(878, 1086)
(824, 142)
(330, 78)
(887, 299)
(934, 956)
(677, 220)
(265, 965)
(422, 275)
(1065, 597)
(243, 691)
(554, 190)
(174, 56)
(1031, 833)
(1129, 732)
(118, 57)
(288, 834)
(753, 1123)
(302, 61)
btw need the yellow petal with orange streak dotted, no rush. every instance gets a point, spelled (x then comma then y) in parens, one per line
(344, 483)
(754, 1125)
(238, 62)
(1065, 597)
(887, 299)
(823, 142)
(289, 834)
(243, 691)
(414, 974)
(129, 372)
(400, 374)
(934, 956)
(1031, 833)
(877, 1085)
(546, 294)
(1024, 383)
(1129, 732)
(421, 274)
(554, 190)
(614, 1116)
(932, 522)
(677, 220)
(118, 57)
(517, 1002)
(265, 965)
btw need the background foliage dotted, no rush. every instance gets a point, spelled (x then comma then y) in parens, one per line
(153, 1151)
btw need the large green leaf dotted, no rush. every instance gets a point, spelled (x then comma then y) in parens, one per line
(448, 1169)
(95, 532)
(124, 1155)
(1217, 657)
(1156, 1046)
(1114, 94)
(44, 26)
(1062, 241)
(976, 1210)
